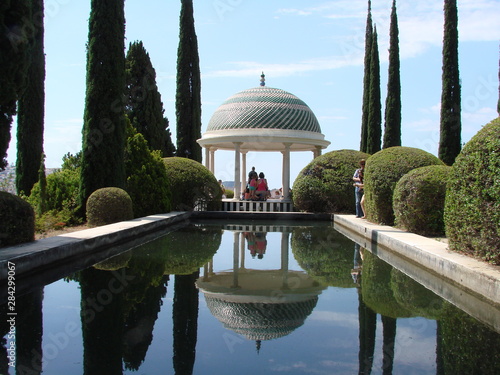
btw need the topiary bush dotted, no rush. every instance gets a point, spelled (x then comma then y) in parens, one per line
(382, 171)
(61, 191)
(418, 200)
(472, 207)
(229, 193)
(326, 185)
(17, 220)
(147, 181)
(109, 205)
(192, 185)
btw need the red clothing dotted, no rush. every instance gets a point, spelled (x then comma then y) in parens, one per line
(262, 186)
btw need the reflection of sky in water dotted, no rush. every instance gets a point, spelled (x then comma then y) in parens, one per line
(327, 342)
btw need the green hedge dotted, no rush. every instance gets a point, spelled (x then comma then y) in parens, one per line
(326, 185)
(382, 171)
(147, 181)
(418, 200)
(17, 220)
(472, 208)
(109, 205)
(192, 184)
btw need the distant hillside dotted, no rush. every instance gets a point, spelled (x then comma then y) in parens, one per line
(8, 178)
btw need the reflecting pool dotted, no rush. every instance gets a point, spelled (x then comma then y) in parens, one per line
(242, 298)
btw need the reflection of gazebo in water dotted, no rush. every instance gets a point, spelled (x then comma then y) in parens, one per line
(259, 304)
(262, 119)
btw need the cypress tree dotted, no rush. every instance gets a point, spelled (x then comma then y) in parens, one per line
(451, 125)
(144, 107)
(392, 119)
(188, 95)
(15, 35)
(104, 120)
(366, 80)
(374, 129)
(31, 109)
(42, 179)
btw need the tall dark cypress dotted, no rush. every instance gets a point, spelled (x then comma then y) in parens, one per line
(31, 109)
(104, 119)
(451, 123)
(144, 106)
(374, 130)
(392, 119)
(15, 35)
(188, 96)
(366, 79)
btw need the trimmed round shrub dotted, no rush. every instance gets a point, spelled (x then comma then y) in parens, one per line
(109, 205)
(147, 181)
(229, 193)
(17, 220)
(192, 185)
(326, 185)
(418, 200)
(472, 207)
(382, 171)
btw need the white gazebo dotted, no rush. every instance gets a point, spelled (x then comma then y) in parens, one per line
(262, 119)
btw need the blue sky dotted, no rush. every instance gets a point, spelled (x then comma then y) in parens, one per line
(313, 49)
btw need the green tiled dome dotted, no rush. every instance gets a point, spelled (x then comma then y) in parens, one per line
(264, 108)
(261, 321)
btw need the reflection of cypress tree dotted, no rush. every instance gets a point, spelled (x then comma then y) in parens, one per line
(139, 324)
(388, 348)
(467, 346)
(185, 319)
(29, 330)
(102, 322)
(367, 328)
(439, 352)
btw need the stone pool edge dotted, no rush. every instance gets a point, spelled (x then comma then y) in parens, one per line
(479, 277)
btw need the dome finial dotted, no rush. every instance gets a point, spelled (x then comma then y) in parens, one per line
(262, 79)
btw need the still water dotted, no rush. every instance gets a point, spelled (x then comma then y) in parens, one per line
(265, 298)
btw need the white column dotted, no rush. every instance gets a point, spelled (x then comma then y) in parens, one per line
(237, 181)
(284, 258)
(243, 170)
(286, 171)
(236, 261)
(207, 157)
(212, 159)
(242, 251)
(317, 151)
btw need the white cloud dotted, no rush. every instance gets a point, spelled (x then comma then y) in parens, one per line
(248, 68)
(338, 319)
